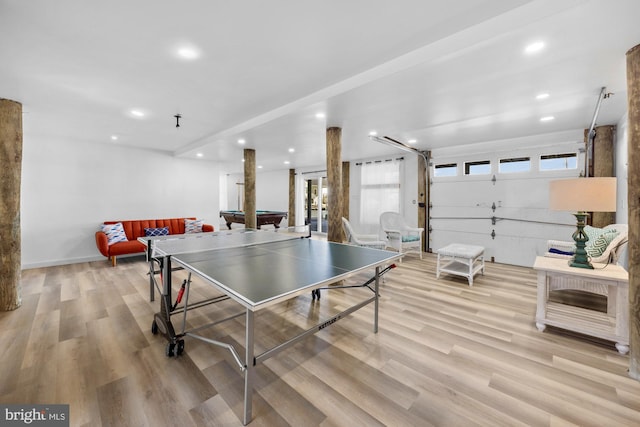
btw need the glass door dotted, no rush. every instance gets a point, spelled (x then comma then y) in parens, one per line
(315, 201)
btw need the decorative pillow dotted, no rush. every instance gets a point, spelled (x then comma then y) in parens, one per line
(593, 232)
(192, 226)
(115, 233)
(163, 231)
(410, 238)
(596, 247)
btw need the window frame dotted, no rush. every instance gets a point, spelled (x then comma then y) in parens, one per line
(468, 165)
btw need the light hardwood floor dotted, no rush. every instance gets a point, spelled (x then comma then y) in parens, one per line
(445, 355)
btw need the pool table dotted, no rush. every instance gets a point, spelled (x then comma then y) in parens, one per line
(262, 217)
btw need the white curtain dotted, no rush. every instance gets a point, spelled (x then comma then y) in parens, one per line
(379, 192)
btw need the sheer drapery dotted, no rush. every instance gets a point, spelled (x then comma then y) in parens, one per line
(379, 192)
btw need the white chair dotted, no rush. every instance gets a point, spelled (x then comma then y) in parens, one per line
(400, 236)
(366, 240)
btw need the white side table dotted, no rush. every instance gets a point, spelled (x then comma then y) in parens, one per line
(611, 281)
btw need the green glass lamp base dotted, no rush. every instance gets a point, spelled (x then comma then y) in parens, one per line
(581, 258)
(580, 264)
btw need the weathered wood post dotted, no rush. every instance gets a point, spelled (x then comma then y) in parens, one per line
(250, 219)
(346, 185)
(603, 167)
(10, 174)
(633, 173)
(292, 198)
(334, 181)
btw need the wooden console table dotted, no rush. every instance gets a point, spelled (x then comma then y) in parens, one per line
(611, 281)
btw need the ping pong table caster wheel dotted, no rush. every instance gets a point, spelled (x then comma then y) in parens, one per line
(169, 349)
(154, 328)
(175, 349)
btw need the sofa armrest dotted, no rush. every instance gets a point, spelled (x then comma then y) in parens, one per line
(561, 245)
(102, 242)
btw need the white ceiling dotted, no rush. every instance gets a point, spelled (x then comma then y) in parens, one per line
(443, 72)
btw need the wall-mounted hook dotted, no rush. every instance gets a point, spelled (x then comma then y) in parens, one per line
(493, 206)
(493, 234)
(178, 117)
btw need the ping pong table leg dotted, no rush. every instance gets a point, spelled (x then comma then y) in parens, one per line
(249, 373)
(151, 272)
(375, 310)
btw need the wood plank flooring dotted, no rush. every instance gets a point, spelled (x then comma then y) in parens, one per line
(445, 355)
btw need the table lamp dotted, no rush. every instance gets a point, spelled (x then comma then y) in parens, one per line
(582, 195)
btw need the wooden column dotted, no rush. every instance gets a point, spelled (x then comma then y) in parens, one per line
(292, 197)
(334, 184)
(345, 189)
(10, 174)
(603, 167)
(633, 154)
(422, 201)
(250, 220)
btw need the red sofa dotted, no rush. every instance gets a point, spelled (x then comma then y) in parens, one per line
(133, 230)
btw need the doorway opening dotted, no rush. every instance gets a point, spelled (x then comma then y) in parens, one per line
(315, 201)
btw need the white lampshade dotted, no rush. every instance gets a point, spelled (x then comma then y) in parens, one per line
(594, 194)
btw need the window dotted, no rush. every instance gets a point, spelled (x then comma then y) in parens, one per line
(516, 164)
(379, 192)
(448, 169)
(558, 161)
(482, 167)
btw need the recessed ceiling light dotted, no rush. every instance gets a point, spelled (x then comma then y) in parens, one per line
(241, 141)
(286, 162)
(291, 150)
(114, 137)
(259, 166)
(320, 116)
(412, 141)
(137, 113)
(547, 118)
(534, 47)
(188, 52)
(542, 96)
(199, 154)
(242, 160)
(373, 133)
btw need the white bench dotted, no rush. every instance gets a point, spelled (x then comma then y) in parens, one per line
(461, 260)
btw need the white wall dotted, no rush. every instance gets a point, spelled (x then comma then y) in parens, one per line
(272, 191)
(70, 188)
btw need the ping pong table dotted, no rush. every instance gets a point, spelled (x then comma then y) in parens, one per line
(256, 269)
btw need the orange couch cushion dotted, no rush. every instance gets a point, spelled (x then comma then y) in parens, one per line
(130, 247)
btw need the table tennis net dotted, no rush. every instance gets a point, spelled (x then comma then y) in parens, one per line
(220, 240)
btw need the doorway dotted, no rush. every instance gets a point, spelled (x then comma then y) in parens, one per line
(315, 201)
